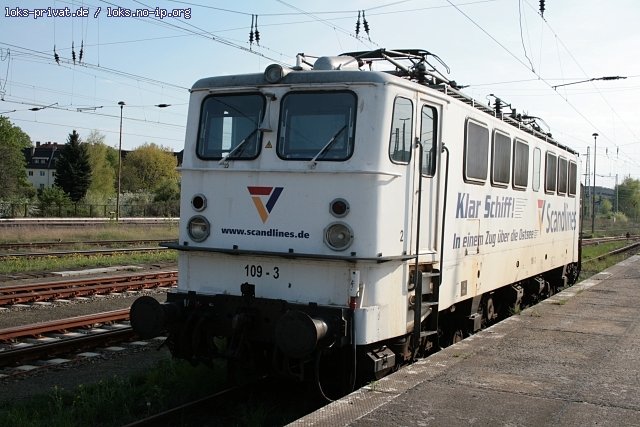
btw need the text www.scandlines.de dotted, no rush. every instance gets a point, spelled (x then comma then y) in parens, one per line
(273, 232)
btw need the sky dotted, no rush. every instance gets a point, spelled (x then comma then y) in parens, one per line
(500, 47)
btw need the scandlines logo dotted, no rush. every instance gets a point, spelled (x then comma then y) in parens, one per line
(259, 194)
(541, 206)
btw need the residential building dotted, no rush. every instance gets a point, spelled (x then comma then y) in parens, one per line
(41, 164)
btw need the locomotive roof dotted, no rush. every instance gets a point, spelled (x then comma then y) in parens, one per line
(347, 69)
(296, 77)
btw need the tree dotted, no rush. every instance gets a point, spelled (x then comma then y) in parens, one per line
(148, 167)
(13, 172)
(53, 201)
(606, 206)
(73, 170)
(166, 199)
(103, 174)
(629, 197)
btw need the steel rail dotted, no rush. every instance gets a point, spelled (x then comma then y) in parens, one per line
(85, 287)
(87, 222)
(36, 329)
(20, 245)
(613, 252)
(176, 416)
(598, 240)
(65, 345)
(93, 252)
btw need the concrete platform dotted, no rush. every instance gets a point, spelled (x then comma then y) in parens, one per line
(572, 360)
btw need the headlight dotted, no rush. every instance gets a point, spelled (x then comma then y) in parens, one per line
(198, 228)
(338, 236)
(199, 202)
(339, 208)
(274, 73)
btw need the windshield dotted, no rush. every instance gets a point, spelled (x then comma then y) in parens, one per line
(317, 126)
(228, 125)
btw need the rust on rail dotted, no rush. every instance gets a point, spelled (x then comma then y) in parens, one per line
(63, 324)
(85, 287)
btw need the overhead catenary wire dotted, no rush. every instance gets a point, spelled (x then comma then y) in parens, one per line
(586, 75)
(92, 98)
(205, 33)
(208, 34)
(286, 14)
(5, 57)
(202, 33)
(522, 36)
(75, 126)
(580, 113)
(330, 16)
(329, 24)
(100, 68)
(85, 110)
(348, 12)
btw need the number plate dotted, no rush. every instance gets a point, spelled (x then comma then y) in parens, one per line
(261, 271)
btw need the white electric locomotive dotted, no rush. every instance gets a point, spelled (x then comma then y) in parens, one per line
(337, 221)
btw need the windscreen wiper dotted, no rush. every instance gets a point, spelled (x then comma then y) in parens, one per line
(313, 162)
(225, 159)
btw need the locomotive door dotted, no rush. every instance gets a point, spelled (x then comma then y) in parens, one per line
(427, 191)
(425, 217)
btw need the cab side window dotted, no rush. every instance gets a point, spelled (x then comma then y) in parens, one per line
(520, 164)
(551, 174)
(500, 159)
(573, 178)
(562, 175)
(476, 152)
(428, 137)
(401, 131)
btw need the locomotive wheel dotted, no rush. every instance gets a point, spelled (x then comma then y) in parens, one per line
(458, 335)
(550, 290)
(572, 273)
(490, 310)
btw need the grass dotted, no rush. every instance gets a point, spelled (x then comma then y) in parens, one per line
(462, 355)
(591, 266)
(592, 251)
(36, 233)
(113, 231)
(118, 400)
(515, 310)
(17, 265)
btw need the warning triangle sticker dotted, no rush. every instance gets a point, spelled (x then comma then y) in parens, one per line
(268, 145)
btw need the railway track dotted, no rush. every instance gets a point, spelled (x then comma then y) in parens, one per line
(613, 252)
(62, 342)
(84, 222)
(264, 400)
(201, 407)
(85, 287)
(599, 240)
(30, 245)
(88, 253)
